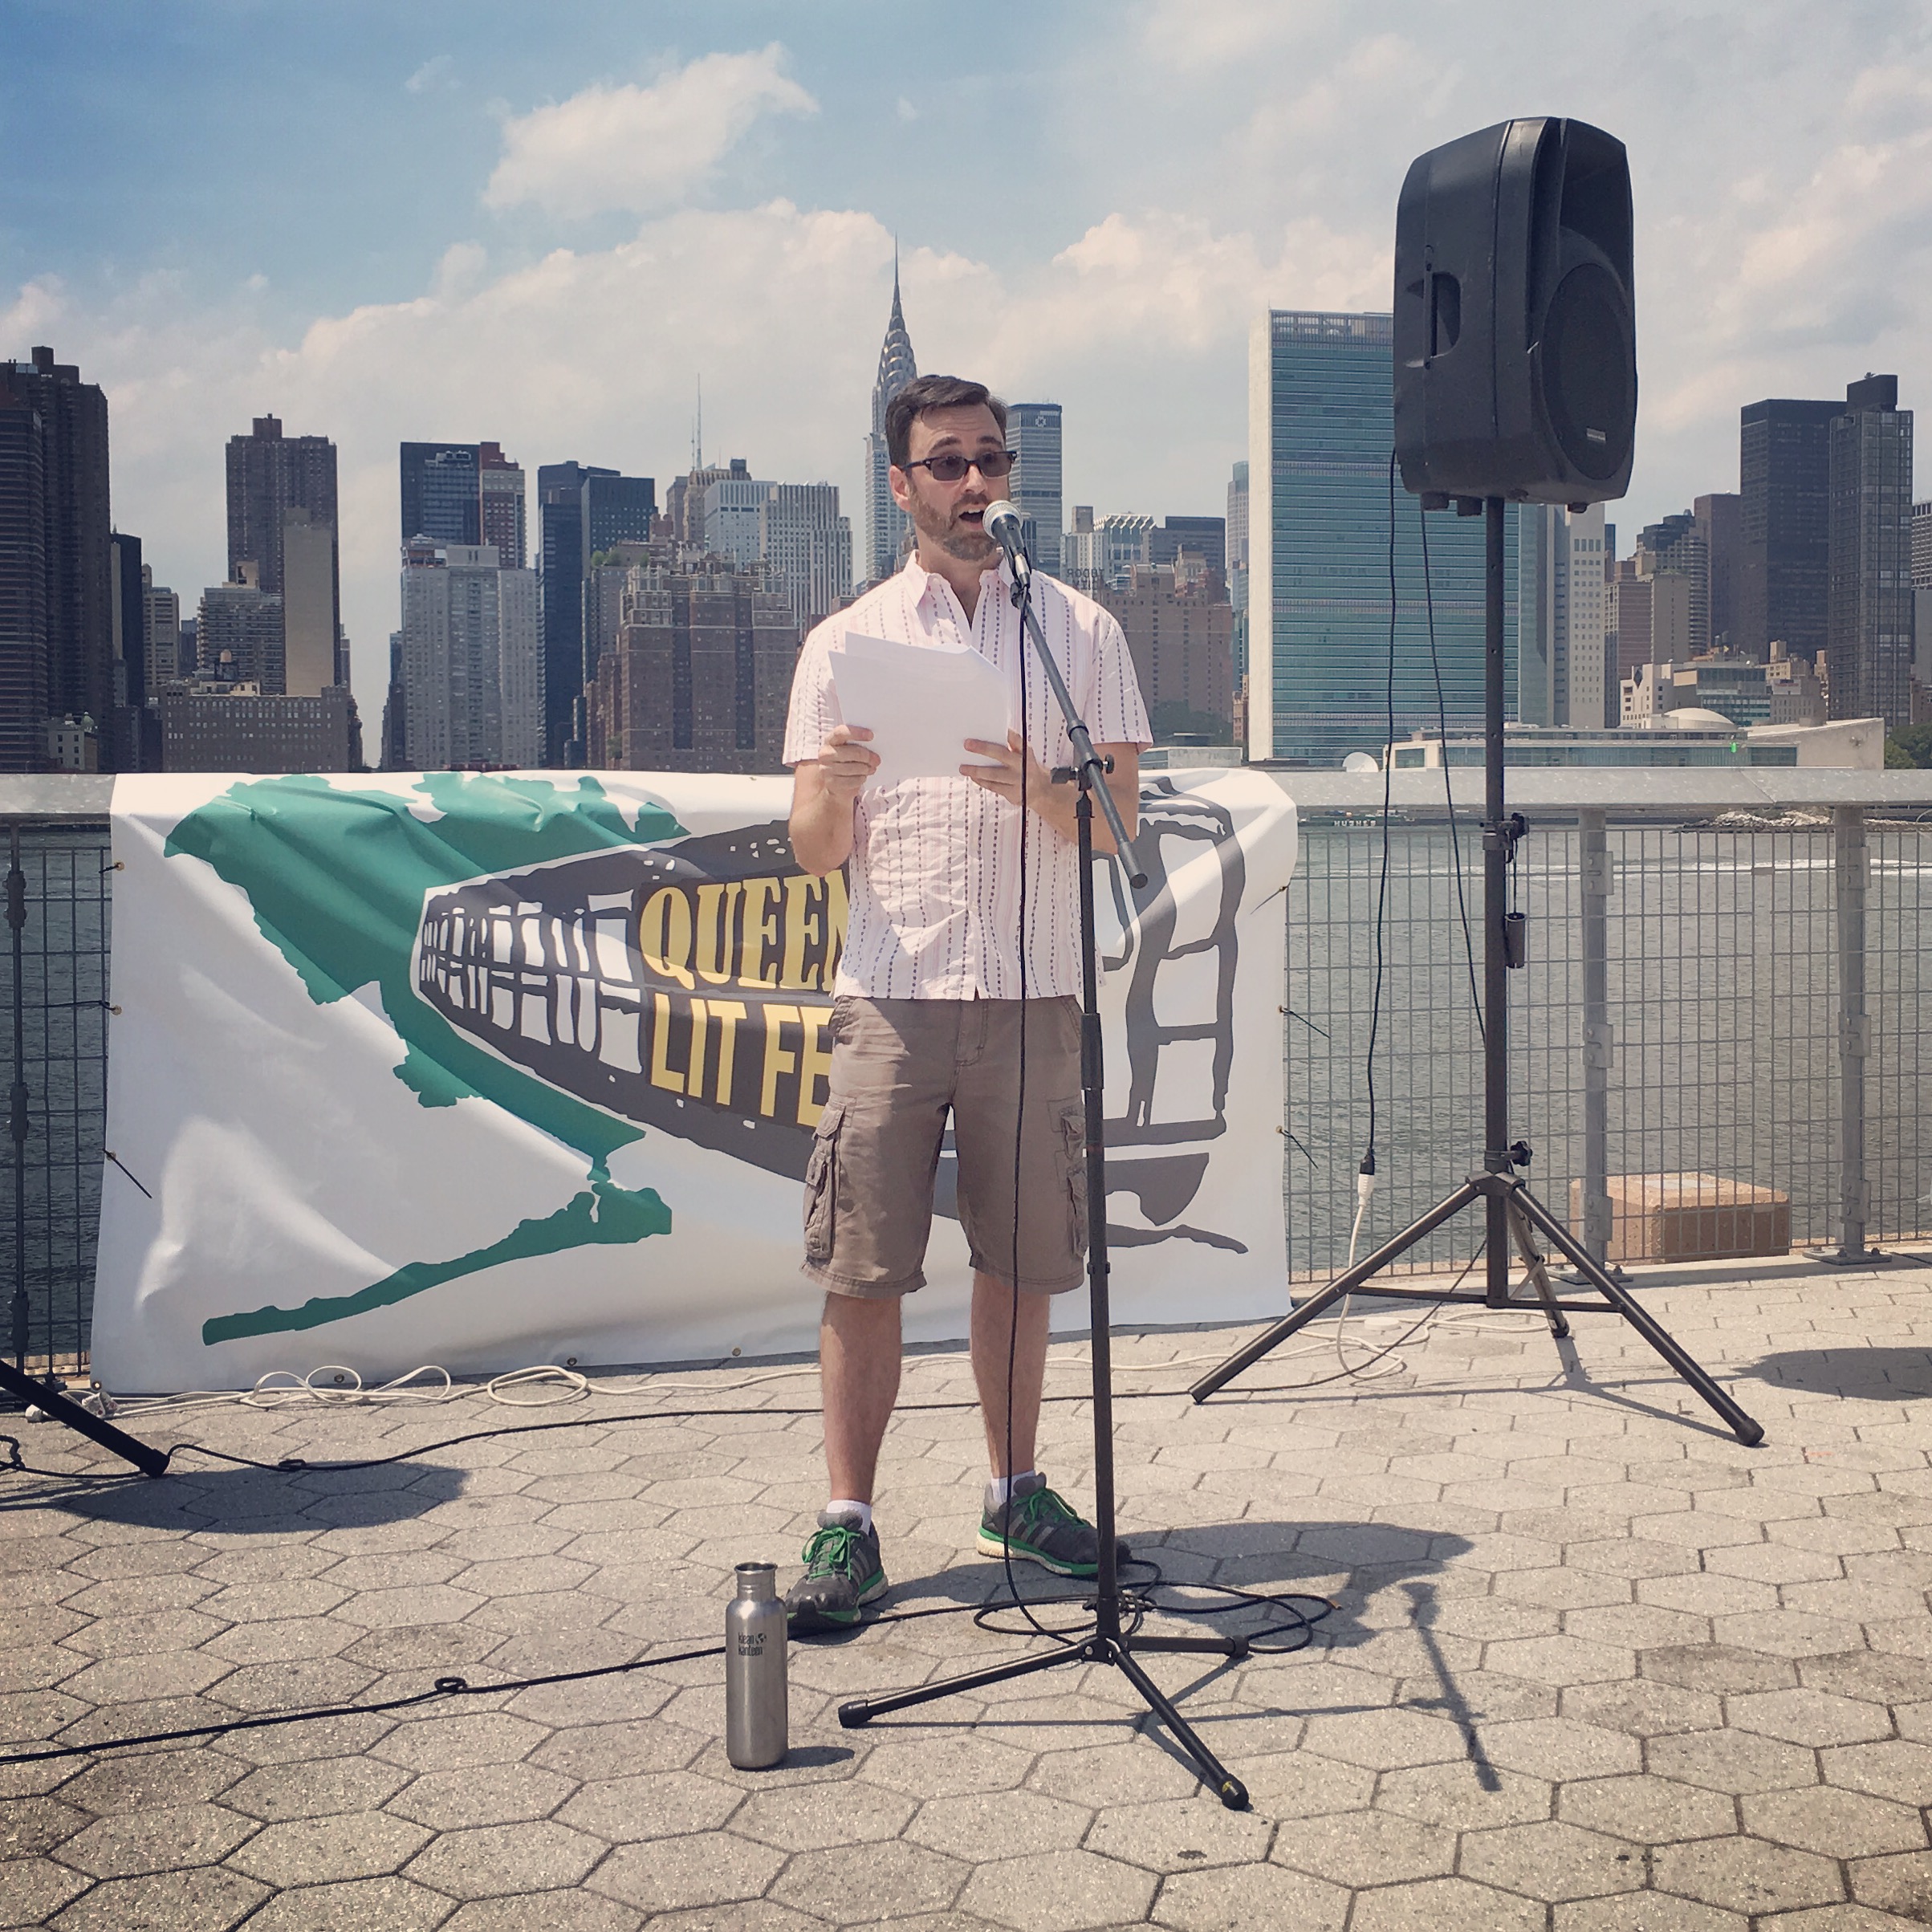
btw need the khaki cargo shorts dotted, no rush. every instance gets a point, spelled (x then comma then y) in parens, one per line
(898, 1068)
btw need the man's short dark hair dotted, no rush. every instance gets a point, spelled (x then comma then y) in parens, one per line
(927, 392)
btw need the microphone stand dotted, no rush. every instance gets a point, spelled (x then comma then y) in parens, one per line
(1116, 1635)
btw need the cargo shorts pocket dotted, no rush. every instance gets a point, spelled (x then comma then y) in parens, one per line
(821, 1186)
(1073, 1162)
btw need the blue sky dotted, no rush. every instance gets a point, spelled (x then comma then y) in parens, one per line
(544, 224)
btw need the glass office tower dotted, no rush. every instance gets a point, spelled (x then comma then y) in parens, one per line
(1323, 497)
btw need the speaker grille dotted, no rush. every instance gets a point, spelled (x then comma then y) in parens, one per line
(1587, 372)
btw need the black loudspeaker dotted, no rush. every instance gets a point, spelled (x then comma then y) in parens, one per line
(1516, 322)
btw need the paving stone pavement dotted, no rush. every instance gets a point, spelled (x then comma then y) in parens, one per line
(1591, 1666)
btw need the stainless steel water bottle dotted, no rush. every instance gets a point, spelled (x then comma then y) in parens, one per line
(756, 1714)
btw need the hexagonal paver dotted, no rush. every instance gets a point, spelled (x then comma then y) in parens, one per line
(654, 1804)
(315, 1789)
(1902, 1883)
(1178, 1834)
(671, 1874)
(1891, 1769)
(1365, 1848)
(379, 1905)
(1382, 1740)
(481, 1737)
(1552, 1860)
(494, 1860)
(1443, 1904)
(1641, 1708)
(482, 1794)
(1560, 1748)
(323, 1851)
(1747, 1875)
(33, 1889)
(1126, 1773)
(586, 1912)
(1560, 1659)
(167, 1838)
(1645, 1912)
(801, 1817)
(1250, 1895)
(1063, 1891)
(1464, 1797)
(1737, 1761)
(1649, 1810)
(1810, 1717)
(209, 1900)
(1836, 1824)
(1722, 1668)
(891, 1880)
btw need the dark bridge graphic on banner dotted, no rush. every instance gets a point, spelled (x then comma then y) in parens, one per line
(688, 986)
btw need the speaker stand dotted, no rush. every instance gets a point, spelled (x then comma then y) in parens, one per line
(1511, 1211)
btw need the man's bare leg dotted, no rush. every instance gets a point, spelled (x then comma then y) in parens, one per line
(859, 1348)
(992, 1334)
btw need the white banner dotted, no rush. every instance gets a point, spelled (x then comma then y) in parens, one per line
(486, 1070)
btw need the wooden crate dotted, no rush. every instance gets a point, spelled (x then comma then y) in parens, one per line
(1690, 1217)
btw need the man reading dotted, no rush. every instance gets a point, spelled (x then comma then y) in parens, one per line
(938, 977)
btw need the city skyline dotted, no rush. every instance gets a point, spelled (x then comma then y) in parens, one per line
(1781, 246)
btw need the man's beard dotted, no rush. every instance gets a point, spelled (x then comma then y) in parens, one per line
(961, 540)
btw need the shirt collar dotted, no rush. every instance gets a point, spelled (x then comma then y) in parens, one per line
(923, 581)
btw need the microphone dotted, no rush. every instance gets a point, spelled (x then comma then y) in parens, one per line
(1001, 521)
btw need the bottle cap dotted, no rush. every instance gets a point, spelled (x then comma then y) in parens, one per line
(758, 1580)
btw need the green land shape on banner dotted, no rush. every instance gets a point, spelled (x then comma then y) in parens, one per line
(336, 879)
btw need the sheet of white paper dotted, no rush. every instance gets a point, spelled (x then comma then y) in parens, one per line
(921, 702)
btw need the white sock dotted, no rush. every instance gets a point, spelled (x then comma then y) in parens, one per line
(845, 1504)
(1000, 1488)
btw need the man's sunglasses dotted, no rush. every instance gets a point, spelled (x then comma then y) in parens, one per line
(991, 464)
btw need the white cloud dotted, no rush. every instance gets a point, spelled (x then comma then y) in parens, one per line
(436, 76)
(640, 148)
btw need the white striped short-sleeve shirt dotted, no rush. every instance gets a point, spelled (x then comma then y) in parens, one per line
(935, 875)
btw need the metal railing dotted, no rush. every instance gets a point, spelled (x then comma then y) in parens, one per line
(1721, 988)
(1742, 998)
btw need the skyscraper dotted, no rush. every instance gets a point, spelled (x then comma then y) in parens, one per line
(56, 610)
(1674, 547)
(1237, 564)
(1718, 523)
(1784, 527)
(270, 473)
(501, 510)
(162, 616)
(886, 524)
(701, 677)
(617, 509)
(442, 492)
(310, 634)
(1033, 428)
(727, 514)
(472, 671)
(1323, 494)
(560, 565)
(805, 546)
(1563, 676)
(1869, 629)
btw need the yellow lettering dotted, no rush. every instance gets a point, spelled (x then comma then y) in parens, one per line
(801, 929)
(663, 1075)
(777, 1060)
(727, 1013)
(838, 911)
(664, 935)
(694, 1074)
(716, 904)
(815, 1063)
(760, 930)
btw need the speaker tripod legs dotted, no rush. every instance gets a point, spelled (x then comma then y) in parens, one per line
(1530, 1216)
